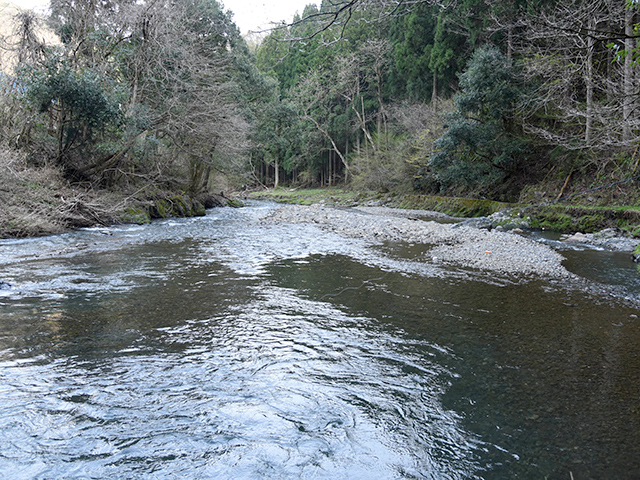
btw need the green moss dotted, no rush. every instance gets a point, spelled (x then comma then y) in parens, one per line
(590, 223)
(197, 209)
(586, 219)
(160, 209)
(555, 221)
(235, 203)
(179, 206)
(135, 215)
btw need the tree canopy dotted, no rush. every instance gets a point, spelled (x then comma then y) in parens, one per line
(170, 90)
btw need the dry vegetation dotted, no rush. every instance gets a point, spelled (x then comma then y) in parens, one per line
(39, 201)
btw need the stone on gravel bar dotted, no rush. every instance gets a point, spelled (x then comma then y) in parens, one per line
(461, 245)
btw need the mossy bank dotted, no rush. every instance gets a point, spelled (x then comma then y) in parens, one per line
(555, 217)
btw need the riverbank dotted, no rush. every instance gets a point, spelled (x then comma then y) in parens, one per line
(562, 218)
(39, 201)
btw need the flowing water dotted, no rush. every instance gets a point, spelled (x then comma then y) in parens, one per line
(219, 347)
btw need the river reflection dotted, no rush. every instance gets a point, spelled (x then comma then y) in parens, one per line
(224, 348)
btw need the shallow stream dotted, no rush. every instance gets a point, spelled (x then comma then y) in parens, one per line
(220, 347)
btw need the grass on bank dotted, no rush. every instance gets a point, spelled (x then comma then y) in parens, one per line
(310, 196)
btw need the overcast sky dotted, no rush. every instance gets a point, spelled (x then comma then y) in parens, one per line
(258, 14)
(248, 14)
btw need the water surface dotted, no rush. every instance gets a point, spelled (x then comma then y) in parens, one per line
(220, 347)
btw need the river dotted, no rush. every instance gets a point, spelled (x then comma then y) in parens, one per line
(221, 347)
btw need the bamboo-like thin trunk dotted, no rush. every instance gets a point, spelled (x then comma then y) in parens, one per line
(276, 165)
(434, 90)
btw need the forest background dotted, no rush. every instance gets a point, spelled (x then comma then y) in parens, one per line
(117, 110)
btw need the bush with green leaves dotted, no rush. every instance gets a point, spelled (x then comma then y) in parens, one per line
(480, 146)
(81, 103)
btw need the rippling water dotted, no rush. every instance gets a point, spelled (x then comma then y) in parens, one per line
(222, 348)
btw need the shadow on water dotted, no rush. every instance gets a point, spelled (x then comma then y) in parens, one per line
(546, 379)
(224, 348)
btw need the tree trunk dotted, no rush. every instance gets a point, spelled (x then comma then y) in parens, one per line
(589, 82)
(276, 166)
(434, 90)
(363, 121)
(333, 144)
(627, 106)
(382, 116)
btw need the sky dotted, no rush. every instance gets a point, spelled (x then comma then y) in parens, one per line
(249, 15)
(258, 14)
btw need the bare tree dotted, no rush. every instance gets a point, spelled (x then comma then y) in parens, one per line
(366, 66)
(24, 42)
(567, 52)
(350, 76)
(376, 55)
(314, 95)
(23, 39)
(628, 77)
(180, 74)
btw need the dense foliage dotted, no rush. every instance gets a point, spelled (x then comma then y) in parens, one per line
(537, 87)
(470, 97)
(480, 148)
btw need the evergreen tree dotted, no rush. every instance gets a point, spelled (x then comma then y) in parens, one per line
(481, 147)
(412, 37)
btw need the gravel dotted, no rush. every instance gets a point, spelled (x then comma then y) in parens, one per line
(492, 251)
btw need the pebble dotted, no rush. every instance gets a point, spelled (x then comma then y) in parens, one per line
(493, 251)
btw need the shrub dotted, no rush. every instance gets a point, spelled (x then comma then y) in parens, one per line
(385, 169)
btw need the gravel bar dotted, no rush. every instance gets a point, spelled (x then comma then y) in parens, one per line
(493, 251)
